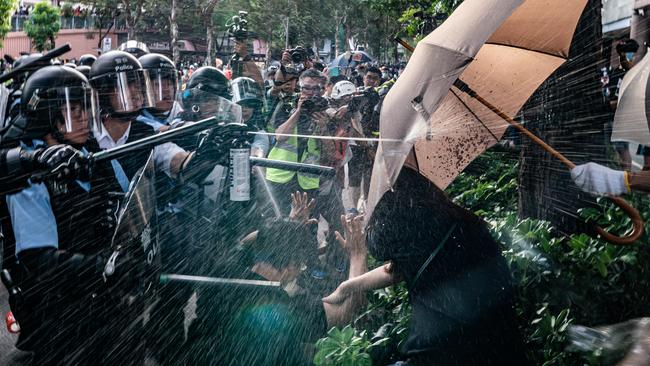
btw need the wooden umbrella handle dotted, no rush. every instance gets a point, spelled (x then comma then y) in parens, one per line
(404, 44)
(637, 222)
(630, 211)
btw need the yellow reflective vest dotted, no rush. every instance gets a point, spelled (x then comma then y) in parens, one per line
(287, 150)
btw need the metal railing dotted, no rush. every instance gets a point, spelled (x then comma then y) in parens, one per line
(70, 22)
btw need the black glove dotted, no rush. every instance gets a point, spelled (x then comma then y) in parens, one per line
(213, 149)
(63, 161)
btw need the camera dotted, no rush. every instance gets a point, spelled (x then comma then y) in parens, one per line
(364, 100)
(238, 26)
(627, 45)
(315, 104)
(298, 56)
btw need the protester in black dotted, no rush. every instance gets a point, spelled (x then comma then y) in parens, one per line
(459, 285)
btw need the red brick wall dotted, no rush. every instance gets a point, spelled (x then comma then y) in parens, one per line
(17, 42)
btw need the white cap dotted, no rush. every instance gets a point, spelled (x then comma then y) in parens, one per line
(342, 89)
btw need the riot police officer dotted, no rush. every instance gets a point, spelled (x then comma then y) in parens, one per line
(202, 93)
(123, 89)
(164, 82)
(165, 330)
(59, 266)
(248, 94)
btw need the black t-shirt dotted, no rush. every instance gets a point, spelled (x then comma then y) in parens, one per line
(459, 284)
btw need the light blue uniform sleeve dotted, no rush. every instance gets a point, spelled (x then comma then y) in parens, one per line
(262, 142)
(151, 121)
(32, 218)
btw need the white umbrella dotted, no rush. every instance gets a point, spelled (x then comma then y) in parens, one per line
(631, 123)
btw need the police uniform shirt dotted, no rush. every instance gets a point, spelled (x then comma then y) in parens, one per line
(32, 217)
(149, 119)
(162, 154)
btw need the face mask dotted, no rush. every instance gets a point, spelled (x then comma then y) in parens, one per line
(629, 56)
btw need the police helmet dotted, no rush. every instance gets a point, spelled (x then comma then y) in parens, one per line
(164, 80)
(57, 99)
(207, 93)
(123, 88)
(206, 83)
(85, 70)
(135, 48)
(87, 60)
(25, 60)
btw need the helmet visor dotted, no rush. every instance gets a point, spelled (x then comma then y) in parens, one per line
(164, 84)
(70, 109)
(204, 104)
(78, 108)
(128, 91)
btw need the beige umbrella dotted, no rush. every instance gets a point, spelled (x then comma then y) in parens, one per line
(464, 80)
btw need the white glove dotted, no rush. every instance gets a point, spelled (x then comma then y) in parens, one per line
(598, 179)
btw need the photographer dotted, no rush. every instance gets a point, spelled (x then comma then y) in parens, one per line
(308, 118)
(360, 165)
(296, 60)
(281, 98)
(241, 63)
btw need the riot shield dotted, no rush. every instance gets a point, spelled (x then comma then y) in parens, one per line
(135, 241)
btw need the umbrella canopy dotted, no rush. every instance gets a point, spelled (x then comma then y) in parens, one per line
(350, 59)
(631, 121)
(503, 50)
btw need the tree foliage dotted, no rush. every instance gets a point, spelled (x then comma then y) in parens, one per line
(43, 25)
(6, 9)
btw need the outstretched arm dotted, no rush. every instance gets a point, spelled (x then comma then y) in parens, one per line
(341, 305)
(379, 277)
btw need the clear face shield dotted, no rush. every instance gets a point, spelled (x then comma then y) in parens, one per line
(69, 109)
(78, 109)
(201, 104)
(128, 91)
(164, 83)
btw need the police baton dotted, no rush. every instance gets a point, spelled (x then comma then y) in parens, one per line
(166, 278)
(36, 63)
(205, 124)
(150, 142)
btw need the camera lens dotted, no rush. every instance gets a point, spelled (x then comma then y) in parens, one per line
(297, 57)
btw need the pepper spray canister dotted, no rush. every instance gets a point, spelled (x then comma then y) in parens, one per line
(240, 170)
